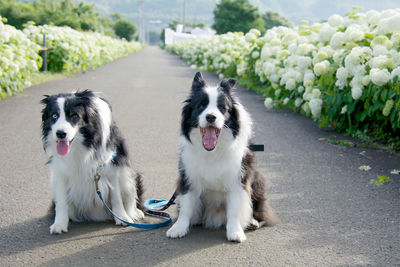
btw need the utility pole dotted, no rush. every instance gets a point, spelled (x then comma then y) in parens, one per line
(184, 16)
(141, 22)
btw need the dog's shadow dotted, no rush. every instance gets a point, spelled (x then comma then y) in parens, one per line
(108, 244)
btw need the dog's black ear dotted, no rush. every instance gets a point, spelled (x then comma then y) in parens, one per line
(85, 94)
(45, 100)
(198, 82)
(228, 84)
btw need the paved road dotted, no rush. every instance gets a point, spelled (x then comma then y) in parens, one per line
(330, 213)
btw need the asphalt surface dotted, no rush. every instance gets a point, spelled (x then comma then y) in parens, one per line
(330, 213)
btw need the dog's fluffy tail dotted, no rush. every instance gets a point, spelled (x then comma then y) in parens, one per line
(262, 211)
(139, 190)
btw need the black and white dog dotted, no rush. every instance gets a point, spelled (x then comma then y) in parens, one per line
(218, 184)
(81, 138)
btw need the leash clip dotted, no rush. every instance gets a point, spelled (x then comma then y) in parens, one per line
(96, 181)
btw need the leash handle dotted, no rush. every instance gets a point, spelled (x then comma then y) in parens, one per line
(160, 204)
(156, 213)
(256, 148)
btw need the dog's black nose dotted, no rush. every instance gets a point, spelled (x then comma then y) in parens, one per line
(61, 134)
(210, 118)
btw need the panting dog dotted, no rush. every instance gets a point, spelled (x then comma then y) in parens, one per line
(218, 184)
(81, 139)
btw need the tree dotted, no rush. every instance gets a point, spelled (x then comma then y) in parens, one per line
(60, 13)
(125, 29)
(236, 16)
(273, 19)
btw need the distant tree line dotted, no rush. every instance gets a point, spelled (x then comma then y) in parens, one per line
(79, 16)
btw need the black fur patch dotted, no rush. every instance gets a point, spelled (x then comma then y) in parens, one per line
(139, 191)
(183, 185)
(117, 143)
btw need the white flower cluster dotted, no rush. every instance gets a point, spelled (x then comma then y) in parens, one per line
(219, 54)
(298, 66)
(72, 50)
(18, 59)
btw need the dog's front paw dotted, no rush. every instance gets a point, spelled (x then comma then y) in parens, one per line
(177, 231)
(136, 214)
(236, 236)
(126, 218)
(254, 224)
(58, 228)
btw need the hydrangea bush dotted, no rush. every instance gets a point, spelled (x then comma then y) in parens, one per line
(71, 50)
(18, 60)
(344, 73)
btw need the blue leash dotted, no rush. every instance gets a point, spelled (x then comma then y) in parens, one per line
(152, 207)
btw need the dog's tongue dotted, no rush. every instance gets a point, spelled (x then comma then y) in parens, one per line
(62, 148)
(210, 138)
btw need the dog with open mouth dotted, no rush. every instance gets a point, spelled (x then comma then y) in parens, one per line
(82, 139)
(218, 183)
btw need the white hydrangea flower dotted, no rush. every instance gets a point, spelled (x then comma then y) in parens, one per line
(381, 40)
(389, 24)
(306, 108)
(356, 92)
(336, 20)
(354, 34)
(285, 101)
(381, 62)
(365, 80)
(290, 84)
(268, 103)
(255, 54)
(373, 17)
(255, 32)
(321, 68)
(316, 93)
(341, 75)
(316, 107)
(379, 76)
(344, 109)
(290, 37)
(250, 37)
(337, 40)
(380, 50)
(395, 73)
(282, 54)
(298, 102)
(326, 33)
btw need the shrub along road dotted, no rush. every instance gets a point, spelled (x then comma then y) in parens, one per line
(330, 213)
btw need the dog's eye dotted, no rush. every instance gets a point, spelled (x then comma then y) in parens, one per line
(54, 116)
(202, 105)
(75, 117)
(222, 109)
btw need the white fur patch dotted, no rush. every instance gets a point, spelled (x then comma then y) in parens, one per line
(212, 109)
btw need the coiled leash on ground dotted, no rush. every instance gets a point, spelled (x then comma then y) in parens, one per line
(152, 207)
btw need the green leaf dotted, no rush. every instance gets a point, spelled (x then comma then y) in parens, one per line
(381, 180)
